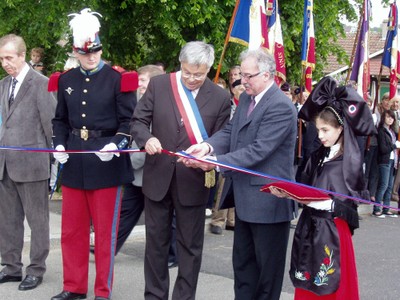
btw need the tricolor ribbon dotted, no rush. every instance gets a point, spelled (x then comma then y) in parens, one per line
(183, 154)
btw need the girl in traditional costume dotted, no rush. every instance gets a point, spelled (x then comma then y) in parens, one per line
(323, 262)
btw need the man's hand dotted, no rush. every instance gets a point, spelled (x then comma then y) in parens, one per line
(281, 194)
(199, 150)
(61, 157)
(104, 153)
(153, 146)
(199, 164)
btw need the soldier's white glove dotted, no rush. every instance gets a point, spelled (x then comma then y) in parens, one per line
(107, 156)
(397, 144)
(62, 157)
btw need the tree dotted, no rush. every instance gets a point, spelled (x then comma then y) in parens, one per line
(138, 32)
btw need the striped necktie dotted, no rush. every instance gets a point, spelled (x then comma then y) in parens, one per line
(11, 99)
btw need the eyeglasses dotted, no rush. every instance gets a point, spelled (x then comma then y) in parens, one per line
(187, 75)
(249, 76)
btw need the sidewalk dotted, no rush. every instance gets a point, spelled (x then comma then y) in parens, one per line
(215, 279)
(128, 278)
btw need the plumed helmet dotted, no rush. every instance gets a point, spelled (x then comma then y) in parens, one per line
(85, 30)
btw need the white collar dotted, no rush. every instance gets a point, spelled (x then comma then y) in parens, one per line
(332, 153)
(21, 76)
(260, 95)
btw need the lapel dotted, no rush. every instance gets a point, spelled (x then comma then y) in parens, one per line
(5, 88)
(5, 91)
(201, 99)
(23, 90)
(203, 95)
(258, 110)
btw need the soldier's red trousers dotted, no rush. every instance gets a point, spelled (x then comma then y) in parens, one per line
(79, 208)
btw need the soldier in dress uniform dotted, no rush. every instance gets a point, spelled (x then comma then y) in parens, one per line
(95, 104)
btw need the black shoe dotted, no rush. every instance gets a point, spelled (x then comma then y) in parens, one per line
(100, 298)
(232, 228)
(65, 295)
(9, 278)
(30, 282)
(215, 229)
(172, 264)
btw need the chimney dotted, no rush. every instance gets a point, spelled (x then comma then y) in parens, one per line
(384, 29)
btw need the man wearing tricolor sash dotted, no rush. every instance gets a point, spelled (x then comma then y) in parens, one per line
(177, 110)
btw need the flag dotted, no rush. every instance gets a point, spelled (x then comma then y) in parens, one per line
(308, 45)
(247, 28)
(257, 24)
(275, 40)
(360, 70)
(390, 56)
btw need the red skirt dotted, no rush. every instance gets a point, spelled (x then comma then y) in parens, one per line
(348, 286)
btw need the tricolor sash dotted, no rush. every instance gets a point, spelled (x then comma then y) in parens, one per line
(188, 109)
(191, 117)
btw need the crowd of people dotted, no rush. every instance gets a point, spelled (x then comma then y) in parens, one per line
(250, 123)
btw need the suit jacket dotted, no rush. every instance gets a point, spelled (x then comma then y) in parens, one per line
(26, 124)
(158, 108)
(263, 142)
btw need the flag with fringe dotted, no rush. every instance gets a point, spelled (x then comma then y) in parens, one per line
(257, 24)
(360, 72)
(391, 58)
(308, 45)
(275, 40)
(247, 26)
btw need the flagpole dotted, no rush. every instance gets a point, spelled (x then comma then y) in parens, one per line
(300, 121)
(355, 45)
(226, 41)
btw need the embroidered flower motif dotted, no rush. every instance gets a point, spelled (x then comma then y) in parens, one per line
(302, 276)
(325, 269)
(307, 275)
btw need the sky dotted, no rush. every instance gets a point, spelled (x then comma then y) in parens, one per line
(379, 13)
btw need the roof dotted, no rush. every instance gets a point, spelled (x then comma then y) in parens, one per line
(376, 44)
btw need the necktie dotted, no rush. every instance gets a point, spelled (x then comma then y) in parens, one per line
(11, 99)
(251, 106)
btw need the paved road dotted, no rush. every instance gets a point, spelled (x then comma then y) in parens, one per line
(377, 244)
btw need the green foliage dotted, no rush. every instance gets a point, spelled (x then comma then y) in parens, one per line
(138, 32)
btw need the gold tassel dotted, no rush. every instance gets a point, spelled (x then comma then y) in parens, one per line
(209, 179)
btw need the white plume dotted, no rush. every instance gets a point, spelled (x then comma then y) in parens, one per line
(84, 27)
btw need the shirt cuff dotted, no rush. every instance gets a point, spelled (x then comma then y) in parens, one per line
(322, 205)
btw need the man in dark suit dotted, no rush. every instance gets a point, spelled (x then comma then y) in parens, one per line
(26, 112)
(261, 136)
(159, 124)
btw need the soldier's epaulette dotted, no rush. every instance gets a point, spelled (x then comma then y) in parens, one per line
(53, 81)
(129, 81)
